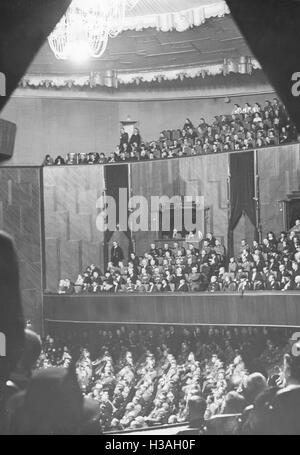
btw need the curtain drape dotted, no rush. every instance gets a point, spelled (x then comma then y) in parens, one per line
(116, 177)
(242, 191)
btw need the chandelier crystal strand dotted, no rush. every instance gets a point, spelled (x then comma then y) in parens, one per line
(87, 25)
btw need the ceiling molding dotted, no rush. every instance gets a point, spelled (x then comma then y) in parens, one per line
(233, 85)
(112, 79)
(172, 18)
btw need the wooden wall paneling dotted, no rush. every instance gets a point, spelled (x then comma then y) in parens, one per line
(52, 264)
(72, 240)
(148, 179)
(279, 174)
(20, 216)
(256, 308)
(201, 175)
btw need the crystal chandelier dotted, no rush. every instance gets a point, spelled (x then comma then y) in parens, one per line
(87, 25)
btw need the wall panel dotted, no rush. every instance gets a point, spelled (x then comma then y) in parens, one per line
(279, 174)
(194, 176)
(72, 240)
(20, 216)
(256, 308)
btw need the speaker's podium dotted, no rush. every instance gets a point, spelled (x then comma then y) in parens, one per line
(7, 139)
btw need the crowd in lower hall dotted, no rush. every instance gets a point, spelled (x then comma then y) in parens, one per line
(146, 376)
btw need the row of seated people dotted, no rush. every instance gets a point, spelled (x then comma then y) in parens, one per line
(271, 265)
(143, 377)
(246, 128)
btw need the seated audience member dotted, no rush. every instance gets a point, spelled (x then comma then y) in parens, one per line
(83, 158)
(128, 388)
(214, 285)
(195, 280)
(228, 284)
(143, 155)
(234, 403)
(71, 159)
(59, 161)
(182, 286)
(91, 158)
(296, 227)
(102, 158)
(65, 287)
(195, 415)
(276, 409)
(253, 385)
(139, 286)
(256, 280)
(247, 127)
(48, 161)
(272, 265)
(165, 286)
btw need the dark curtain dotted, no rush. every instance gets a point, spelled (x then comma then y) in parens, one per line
(7, 138)
(116, 177)
(271, 29)
(24, 27)
(242, 191)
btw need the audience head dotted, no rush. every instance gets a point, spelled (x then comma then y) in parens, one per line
(253, 385)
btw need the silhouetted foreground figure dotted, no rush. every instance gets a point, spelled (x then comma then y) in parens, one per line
(11, 320)
(53, 404)
(196, 411)
(21, 374)
(276, 411)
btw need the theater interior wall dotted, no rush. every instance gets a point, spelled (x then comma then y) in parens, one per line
(60, 121)
(279, 175)
(72, 240)
(195, 176)
(65, 222)
(20, 216)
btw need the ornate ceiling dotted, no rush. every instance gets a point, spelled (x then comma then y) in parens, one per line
(148, 7)
(148, 53)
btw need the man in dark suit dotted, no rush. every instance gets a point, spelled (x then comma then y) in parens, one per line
(182, 287)
(272, 284)
(124, 138)
(276, 409)
(136, 138)
(117, 254)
